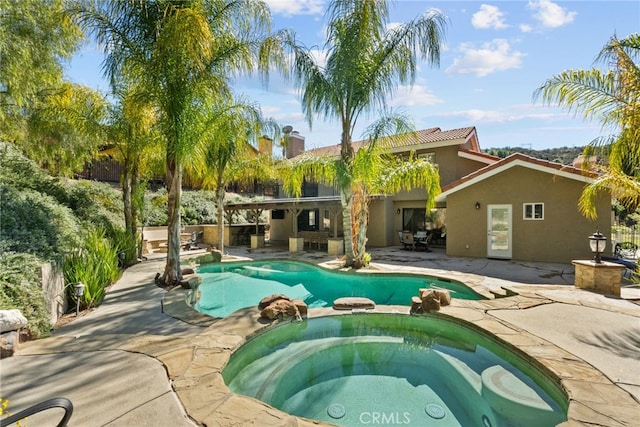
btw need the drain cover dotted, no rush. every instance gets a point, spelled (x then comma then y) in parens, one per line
(434, 411)
(336, 411)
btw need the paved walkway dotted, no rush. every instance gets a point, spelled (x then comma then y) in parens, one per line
(129, 363)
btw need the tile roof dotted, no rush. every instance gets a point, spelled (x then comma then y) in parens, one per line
(514, 160)
(425, 136)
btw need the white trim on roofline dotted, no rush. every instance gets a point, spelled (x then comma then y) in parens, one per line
(518, 162)
(476, 157)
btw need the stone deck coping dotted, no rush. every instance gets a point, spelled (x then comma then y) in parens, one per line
(194, 364)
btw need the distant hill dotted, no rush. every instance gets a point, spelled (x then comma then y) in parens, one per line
(564, 155)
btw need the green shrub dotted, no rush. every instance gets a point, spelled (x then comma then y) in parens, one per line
(20, 289)
(22, 173)
(35, 223)
(154, 212)
(125, 243)
(95, 265)
(198, 207)
(95, 203)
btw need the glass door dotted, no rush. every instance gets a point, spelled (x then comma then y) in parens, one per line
(499, 231)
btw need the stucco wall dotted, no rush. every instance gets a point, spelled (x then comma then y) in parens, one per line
(379, 234)
(560, 237)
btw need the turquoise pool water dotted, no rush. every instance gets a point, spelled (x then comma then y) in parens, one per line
(230, 286)
(385, 369)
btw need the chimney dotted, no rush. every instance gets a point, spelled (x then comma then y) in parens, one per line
(265, 145)
(295, 145)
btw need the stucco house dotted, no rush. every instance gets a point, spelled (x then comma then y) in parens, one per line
(517, 208)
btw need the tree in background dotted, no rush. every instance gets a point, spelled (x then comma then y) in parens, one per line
(134, 141)
(228, 132)
(373, 170)
(55, 123)
(613, 98)
(183, 54)
(36, 36)
(365, 64)
(66, 129)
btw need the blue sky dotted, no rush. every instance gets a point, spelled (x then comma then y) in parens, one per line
(496, 53)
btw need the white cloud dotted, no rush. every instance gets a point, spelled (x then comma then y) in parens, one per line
(296, 7)
(413, 96)
(526, 28)
(510, 114)
(492, 57)
(488, 17)
(549, 14)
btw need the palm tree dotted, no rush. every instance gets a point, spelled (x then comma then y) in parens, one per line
(133, 140)
(227, 131)
(613, 98)
(373, 170)
(365, 63)
(183, 53)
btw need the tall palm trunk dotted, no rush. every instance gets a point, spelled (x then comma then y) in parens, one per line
(346, 194)
(220, 215)
(360, 225)
(127, 198)
(346, 200)
(172, 271)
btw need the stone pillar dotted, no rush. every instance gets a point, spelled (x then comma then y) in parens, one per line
(335, 246)
(296, 244)
(257, 241)
(604, 277)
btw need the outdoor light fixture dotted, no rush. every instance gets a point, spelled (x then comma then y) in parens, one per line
(597, 242)
(79, 291)
(398, 211)
(477, 205)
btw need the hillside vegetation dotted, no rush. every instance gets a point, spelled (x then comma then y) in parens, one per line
(564, 155)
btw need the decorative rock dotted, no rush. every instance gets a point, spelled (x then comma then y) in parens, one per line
(350, 303)
(11, 320)
(444, 295)
(416, 306)
(301, 306)
(9, 343)
(423, 292)
(268, 300)
(431, 301)
(280, 309)
(191, 281)
(187, 270)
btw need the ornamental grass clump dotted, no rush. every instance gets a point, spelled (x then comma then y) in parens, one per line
(95, 265)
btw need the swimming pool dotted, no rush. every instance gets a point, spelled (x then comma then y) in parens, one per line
(385, 369)
(230, 286)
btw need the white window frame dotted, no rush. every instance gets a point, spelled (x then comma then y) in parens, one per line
(532, 208)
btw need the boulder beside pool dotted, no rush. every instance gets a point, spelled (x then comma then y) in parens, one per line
(280, 306)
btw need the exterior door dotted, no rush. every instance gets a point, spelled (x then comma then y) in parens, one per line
(499, 231)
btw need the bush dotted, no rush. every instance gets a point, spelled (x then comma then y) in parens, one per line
(95, 203)
(35, 223)
(20, 288)
(125, 243)
(95, 265)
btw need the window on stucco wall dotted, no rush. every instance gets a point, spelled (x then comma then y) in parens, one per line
(533, 211)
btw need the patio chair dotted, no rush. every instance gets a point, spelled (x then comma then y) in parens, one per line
(422, 239)
(407, 240)
(192, 243)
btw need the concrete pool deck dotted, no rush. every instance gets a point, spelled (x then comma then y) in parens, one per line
(130, 362)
